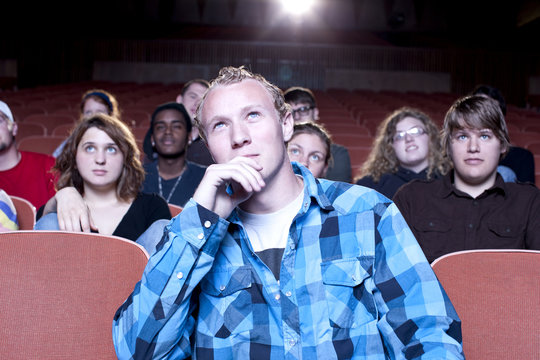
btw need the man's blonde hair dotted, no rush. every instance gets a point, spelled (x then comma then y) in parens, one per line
(232, 75)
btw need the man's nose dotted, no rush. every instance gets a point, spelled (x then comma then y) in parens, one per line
(473, 145)
(240, 135)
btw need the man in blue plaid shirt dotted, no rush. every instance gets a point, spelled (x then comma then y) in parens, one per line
(267, 262)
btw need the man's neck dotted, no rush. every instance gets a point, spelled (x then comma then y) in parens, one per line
(9, 158)
(170, 168)
(277, 193)
(474, 190)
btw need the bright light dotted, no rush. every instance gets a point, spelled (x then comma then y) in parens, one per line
(297, 6)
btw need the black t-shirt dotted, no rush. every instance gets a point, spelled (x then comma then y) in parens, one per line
(191, 178)
(145, 209)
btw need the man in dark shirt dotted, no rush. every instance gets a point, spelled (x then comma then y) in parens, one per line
(171, 175)
(472, 207)
(197, 152)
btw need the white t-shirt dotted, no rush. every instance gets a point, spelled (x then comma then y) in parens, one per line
(268, 233)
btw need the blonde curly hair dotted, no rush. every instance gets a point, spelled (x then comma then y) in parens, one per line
(232, 75)
(382, 158)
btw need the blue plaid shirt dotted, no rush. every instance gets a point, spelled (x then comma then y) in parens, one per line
(353, 284)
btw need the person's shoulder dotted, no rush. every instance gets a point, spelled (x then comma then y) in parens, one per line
(37, 161)
(196, 170)
(150, 166)
(30, 155)
(522, 188)
(347, 198)
(195, 166)
(366, 181)
(414, 188)
(423, 184)
(148, 198)
(338, 149)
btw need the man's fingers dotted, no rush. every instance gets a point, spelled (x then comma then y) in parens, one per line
(85, 223)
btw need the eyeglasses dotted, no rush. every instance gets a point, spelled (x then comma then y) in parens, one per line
(302, 111)
(414, 132)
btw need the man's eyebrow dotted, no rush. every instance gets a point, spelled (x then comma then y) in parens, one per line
(252, 107)
(216, 118)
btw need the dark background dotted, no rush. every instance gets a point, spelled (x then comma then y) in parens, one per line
(58, 42)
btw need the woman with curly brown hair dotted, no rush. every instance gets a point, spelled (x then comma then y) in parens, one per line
(407, 147)
(101, 162)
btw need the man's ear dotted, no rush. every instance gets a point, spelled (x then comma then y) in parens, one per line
(179, 99)
(14, 129)
(505, 148)
(287, 125)
(316, 114)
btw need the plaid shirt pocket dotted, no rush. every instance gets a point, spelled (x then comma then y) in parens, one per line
(349, 303)
(225, 302)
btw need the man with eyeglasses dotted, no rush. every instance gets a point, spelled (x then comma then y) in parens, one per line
(304, 108)
(472, 207)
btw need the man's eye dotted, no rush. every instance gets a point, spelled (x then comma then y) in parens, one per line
(253, 115)
(219, 125)
(315, 157)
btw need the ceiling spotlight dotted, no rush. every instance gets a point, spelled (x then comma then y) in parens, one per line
(297, 6)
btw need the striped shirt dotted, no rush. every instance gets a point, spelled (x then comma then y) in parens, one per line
(354, 284)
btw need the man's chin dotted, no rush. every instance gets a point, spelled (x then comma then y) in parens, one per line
(174, 155)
